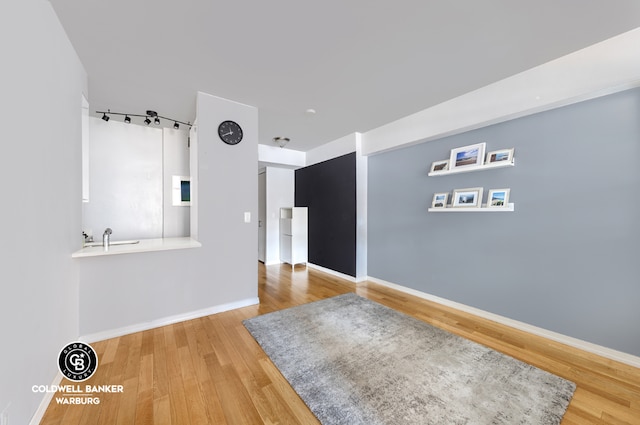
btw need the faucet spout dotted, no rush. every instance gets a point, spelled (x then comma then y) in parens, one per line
(106, 238)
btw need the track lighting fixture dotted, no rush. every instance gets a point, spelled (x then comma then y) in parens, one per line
(147, 118)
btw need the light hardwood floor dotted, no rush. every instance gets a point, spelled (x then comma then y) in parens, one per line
(211, 371)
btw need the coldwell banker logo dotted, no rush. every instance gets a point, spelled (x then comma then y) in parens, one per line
(78, 361)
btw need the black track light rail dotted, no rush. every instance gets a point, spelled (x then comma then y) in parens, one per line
(149, 114)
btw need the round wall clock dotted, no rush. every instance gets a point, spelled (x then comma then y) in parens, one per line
(230, 132)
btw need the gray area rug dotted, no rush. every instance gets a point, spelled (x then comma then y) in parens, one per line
(354, 361)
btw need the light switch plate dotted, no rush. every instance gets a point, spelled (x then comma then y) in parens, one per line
(247, 217)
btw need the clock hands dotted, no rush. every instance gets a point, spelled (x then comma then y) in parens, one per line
(228, 134)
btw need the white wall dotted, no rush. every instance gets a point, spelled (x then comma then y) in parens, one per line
(125, 171)
(42, 82)
(85, 149)
(133, 291)
(280, 191)
(362, 191)
(274, 155)
(175, 162)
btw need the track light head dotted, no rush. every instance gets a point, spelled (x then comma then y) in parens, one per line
(105, 117)
(127, 119)
(157, 121)
(176, 125)
(147, 121)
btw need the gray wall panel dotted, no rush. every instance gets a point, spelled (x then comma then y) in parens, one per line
(565, 260)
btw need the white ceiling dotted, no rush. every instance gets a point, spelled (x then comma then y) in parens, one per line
(359, 63)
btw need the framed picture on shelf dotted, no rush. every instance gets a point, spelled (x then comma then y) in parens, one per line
(498, 198)
(503, 155)
(467, 198)
(440, 200)
(467, 155)
(437, 166)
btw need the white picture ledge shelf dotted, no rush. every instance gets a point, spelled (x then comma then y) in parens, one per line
(470, 168)
(509, 208)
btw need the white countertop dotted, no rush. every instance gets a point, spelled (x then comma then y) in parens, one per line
(144, 245)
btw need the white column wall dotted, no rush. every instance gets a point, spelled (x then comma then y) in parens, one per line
(123, 293)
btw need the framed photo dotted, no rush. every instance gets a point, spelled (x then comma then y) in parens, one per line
(498, 198)
(467, 155)
(439, 166)
(440, 200)
(181, 191)
(467, 198)
(503, 155)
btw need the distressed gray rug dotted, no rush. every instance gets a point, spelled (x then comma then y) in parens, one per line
(354, 361)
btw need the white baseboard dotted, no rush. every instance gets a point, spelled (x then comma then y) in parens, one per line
(46, 400)
(609, 353)
(113, 333)
(333, 272)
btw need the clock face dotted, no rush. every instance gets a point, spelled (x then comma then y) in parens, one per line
(230, 132)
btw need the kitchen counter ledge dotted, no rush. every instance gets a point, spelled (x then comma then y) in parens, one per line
(144, 245)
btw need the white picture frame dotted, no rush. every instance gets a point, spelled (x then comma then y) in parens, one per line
(181, 191)
(502, 155)
(467, 156)
(439, 166)
(440, 200)
(498, 198)
(467, 198)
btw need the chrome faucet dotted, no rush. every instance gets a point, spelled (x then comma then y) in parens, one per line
(106, 237)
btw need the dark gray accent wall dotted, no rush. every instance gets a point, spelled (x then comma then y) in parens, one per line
(328, 189)
(566, 260)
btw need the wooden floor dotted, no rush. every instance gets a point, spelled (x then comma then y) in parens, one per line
(211, 371)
